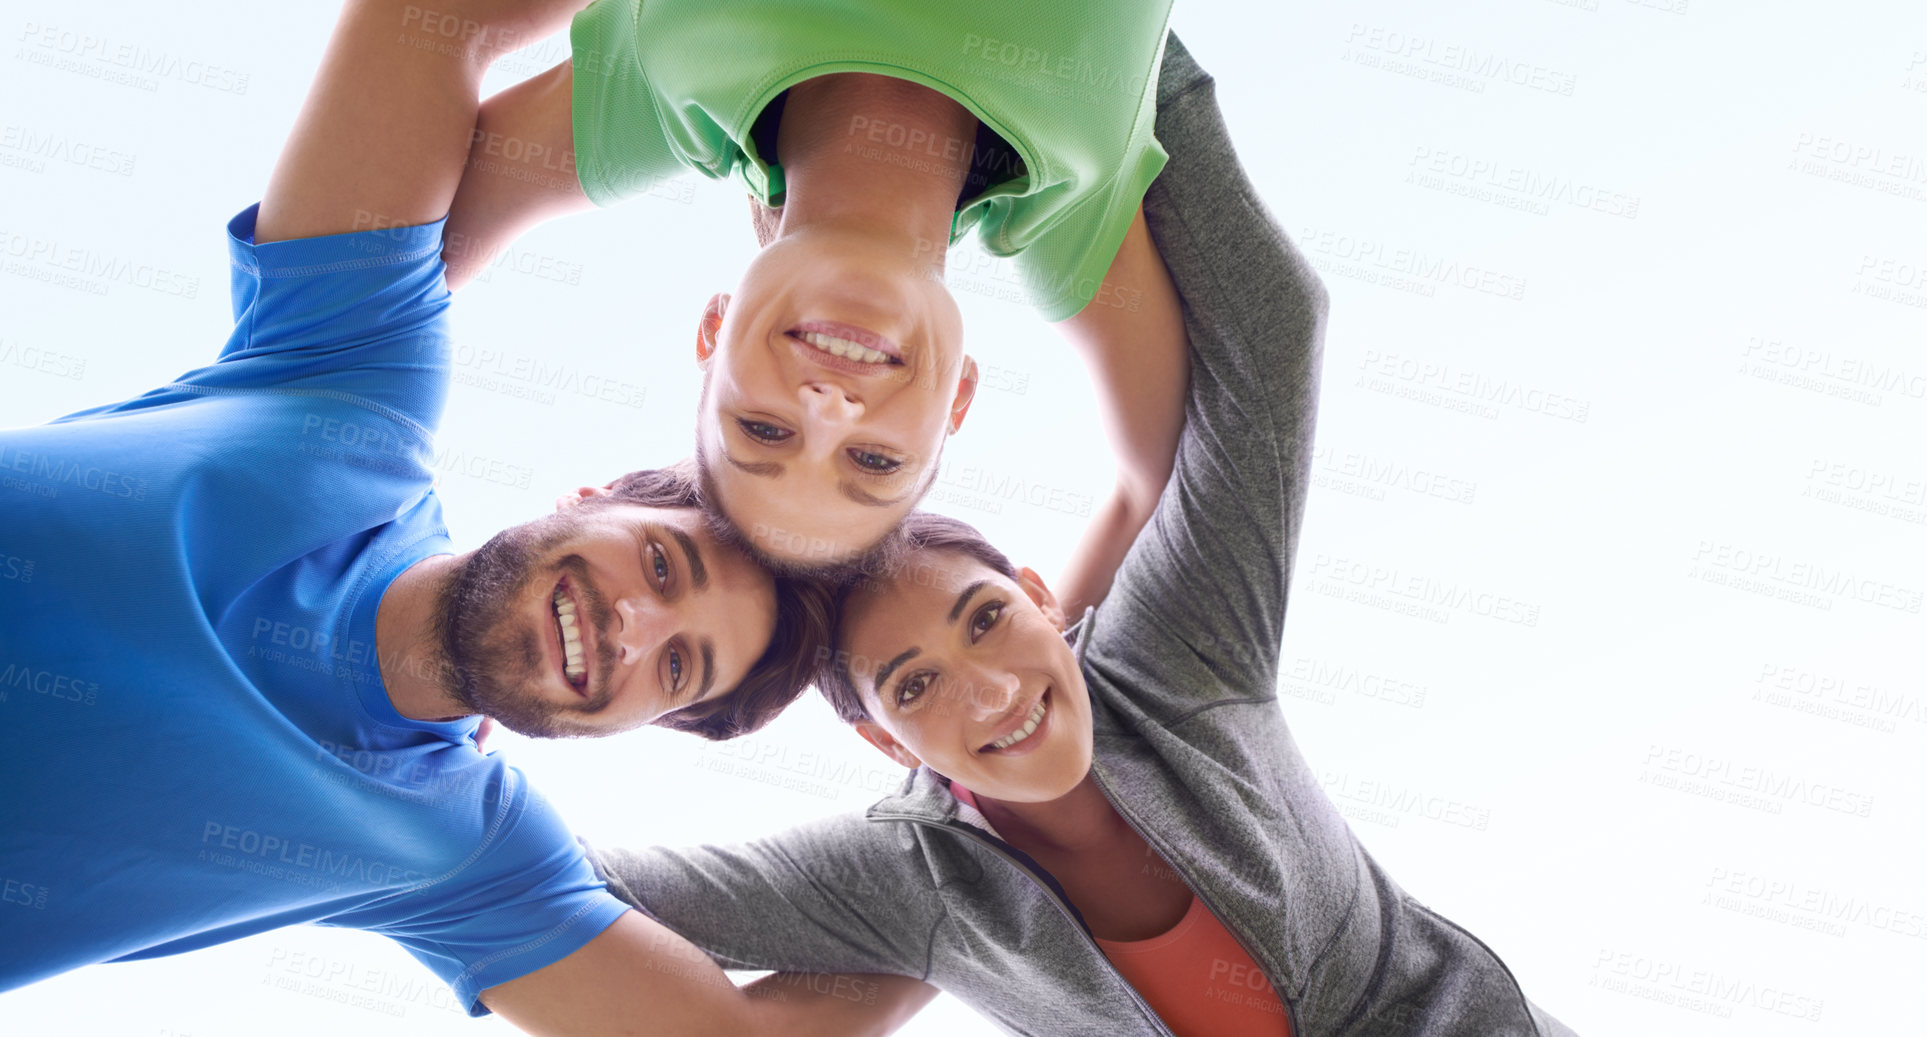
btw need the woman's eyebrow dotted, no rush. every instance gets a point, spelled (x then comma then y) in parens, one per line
(964, 599)
(884, 672)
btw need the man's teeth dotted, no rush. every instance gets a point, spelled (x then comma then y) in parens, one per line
(571, 637)
(1030, 724)
(843, 347)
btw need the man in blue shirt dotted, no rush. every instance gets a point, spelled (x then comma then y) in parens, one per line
(240, 687)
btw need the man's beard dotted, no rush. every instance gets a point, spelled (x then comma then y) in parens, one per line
(492, 659)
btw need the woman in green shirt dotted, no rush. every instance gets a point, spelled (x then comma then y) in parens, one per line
(870, 136)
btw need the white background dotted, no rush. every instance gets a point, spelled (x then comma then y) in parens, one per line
(1685, 798)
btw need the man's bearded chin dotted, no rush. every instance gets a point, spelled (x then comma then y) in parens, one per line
(490, 652)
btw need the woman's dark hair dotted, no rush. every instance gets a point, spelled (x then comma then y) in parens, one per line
(802, 622)
(906, 557)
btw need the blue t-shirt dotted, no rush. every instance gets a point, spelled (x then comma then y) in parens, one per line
(195, 737)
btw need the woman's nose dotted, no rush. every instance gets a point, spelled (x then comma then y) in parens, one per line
(991, 692)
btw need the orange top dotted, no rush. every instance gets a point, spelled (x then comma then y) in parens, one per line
(1195, 976)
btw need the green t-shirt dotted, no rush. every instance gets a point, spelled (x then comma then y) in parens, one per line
(662, 86)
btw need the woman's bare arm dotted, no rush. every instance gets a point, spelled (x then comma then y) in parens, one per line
(1132, 339)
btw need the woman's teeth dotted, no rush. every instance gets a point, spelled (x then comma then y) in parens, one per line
(843, 347)
(1030, 724)
(571, 637)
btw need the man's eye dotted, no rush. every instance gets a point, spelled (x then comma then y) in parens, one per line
(763, 431)
(659, 564)
(986, 618)
(912, 686)
(875, 464)
(675, 669)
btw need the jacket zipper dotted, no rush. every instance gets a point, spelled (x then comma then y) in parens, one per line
(1291, 1010)
(1063, 908)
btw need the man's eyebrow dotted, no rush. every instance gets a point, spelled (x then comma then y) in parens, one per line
(964, 599)
(766, 469)
(868, 499)
(883, 674)
(709, 669)
(698, 572)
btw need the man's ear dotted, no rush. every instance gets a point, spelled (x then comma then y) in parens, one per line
(709, 326)
(966, 392)
(580, 494)
(887, 743)
(1041, 596)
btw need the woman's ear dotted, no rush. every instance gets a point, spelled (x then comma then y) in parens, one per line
(966, 392)
(580, 494)
(887, 743)
(1041, 596)
(709, 326)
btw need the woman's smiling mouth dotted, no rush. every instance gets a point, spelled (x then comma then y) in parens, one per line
(1022, 734)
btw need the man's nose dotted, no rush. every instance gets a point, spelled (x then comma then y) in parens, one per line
(642, 625)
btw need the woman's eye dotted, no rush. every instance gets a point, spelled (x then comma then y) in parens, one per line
(660, 564)
(875, 464)
(986, 618)
(763, 431)
(675, 669)
(911, 687)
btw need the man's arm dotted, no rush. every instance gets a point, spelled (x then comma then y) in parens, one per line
(384, 134)
(1132, 339)
(1197, 609)
(639, 978)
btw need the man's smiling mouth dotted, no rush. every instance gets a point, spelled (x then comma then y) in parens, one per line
(575, 664)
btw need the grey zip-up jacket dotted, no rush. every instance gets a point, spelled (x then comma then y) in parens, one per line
(1191, 746)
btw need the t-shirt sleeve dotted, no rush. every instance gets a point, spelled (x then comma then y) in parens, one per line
(526, 899)
(621, 146)
(813, 899)
(1196, 612)
(1063, 269)
(360, 317)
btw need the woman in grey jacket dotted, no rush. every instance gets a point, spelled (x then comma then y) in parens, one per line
(1130, 785)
